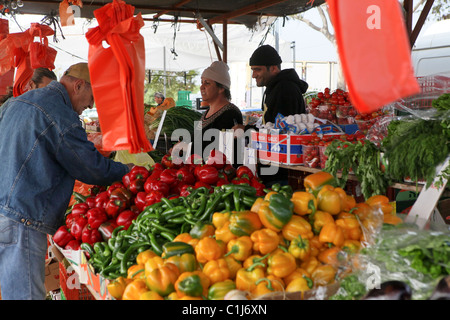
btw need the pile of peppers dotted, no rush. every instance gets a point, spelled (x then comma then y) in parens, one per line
(161, 222)
(281, 243)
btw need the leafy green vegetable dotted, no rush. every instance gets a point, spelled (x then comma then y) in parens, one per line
(350, 289)
(442, 102)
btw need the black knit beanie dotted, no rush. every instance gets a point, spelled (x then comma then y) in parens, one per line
(265, 56)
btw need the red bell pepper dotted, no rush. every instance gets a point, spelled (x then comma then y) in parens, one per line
(94, 190)
(242, 171)
(185, 190)
(122, 194)
(167, 162)
(241, 180)
(139, 172)
(153, 197)
(194, 159)
(217, 159)
(114, 186)
(168, 176)
(79, 209)
(156, 185)
(101, 199)
(125, 218)
(63, 236)
(126, 180)
(136, 186)
(229, 171)
(90, 201)
(106, 229)
(185, 175)
(207, 174)
(77, 226)
(90, 235)
(139, 200)
(96, 216)
(156, 172)
(259, 186)
(73, 245)
(115, 206)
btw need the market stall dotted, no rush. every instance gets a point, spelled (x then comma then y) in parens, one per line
(205, 229)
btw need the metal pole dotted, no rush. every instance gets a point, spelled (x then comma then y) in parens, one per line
(293, 52)
(165, 76)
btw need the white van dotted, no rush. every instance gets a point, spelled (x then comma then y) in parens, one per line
(431, 52)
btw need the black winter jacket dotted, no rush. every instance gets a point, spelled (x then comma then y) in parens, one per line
(284, 94)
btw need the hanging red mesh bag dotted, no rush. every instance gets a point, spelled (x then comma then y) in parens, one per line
(117, 70)
(374, 51)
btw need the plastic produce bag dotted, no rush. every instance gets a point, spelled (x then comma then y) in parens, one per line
(139, 159)
(41, 55)
(117, 75)
(374, 51)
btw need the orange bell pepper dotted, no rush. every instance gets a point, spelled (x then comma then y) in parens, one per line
(117, 287)
(233, 266)
(224, 233)
(184, 262)
(300, 248)
(319, 219)
(162, 280)
(295, 227)
(380, 202)
(362, 210)
(264, 240)
(332, 234)
(183, 237)
(240, 248)
(136, 271)
(243, 223)
(304, 203)
(392, 219)
(256, 260)
(297, 273)
(220, 218)
(208, 249)
(323, 275)
(281, 264)
(300, 284)
(316, 245)
(314, 182)
(153, 263)
(275, 212)
(310, 264)
(216, 270)
(269, 284)
(350, 226)
(330, 255)
(351, 246)
(143, 256)
(246, 278)
(134, 290)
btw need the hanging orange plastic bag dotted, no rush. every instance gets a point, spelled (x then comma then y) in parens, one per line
(374, 51)
(41, 55)
(117, 70)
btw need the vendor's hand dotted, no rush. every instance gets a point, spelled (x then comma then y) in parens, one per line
(238, 130)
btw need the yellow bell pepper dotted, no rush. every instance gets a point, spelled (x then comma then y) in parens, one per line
(256, 205)
(183, 237)
(219, 218)
(192, 284)
(316, 246)
(351, 246)
(300, 248)
(208, 249)
(310, 264)
(153, 263)
(304, 203)
(276, 212)
(281, 264)
(246, 278)
(218, 290)
(297, 273)
(332, 234)
(162, 280)
(319, 219)
(330, 256)
(392, 219)
(323, 275)
(117, 286)
(300, 284)
(380, 202)
(184, 262)
(295, 227)
(243, 223)
(150, 295)
(331, 199)
(233, 266)
(143, 256)
(255, 259)
(134, 290)
(265, 240)
(240, 248)
(216, 270)
(269, 284)
(224, 233)
(172, 296)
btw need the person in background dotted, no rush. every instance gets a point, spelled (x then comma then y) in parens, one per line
(283, 94)
(41, 78)
(44, 151)
(162, 102)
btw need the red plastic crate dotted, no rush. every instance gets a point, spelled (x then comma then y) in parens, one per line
(431, 87)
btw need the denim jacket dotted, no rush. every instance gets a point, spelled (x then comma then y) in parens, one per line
(43, 150)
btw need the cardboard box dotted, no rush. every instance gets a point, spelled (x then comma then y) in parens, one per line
(51, 275)
(285, 148)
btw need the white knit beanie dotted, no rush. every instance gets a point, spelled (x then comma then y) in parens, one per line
(218, 71)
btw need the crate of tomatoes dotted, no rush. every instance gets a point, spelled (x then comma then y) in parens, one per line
(333, 106)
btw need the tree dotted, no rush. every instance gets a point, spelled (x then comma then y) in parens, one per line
(174, 82)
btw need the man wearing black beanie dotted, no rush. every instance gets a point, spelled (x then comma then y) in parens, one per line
(283, 94)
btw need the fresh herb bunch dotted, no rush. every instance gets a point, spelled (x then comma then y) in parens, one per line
(363, 157)
(413, 148)
(442, 103)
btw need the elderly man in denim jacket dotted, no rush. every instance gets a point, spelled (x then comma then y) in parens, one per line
(43, 149)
